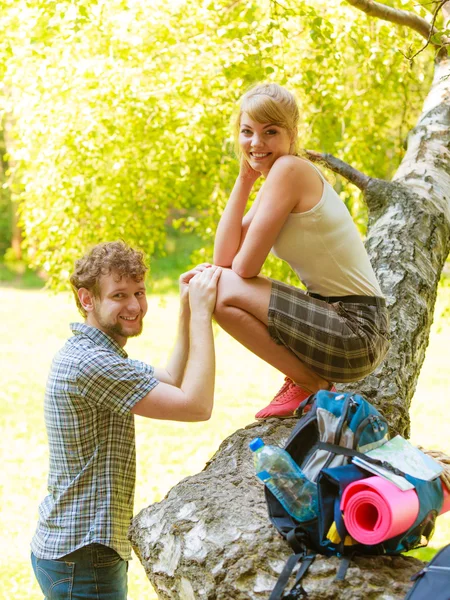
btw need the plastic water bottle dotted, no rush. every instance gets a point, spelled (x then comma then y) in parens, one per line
(284, 478)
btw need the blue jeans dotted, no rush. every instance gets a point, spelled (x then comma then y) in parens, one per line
(94, 572)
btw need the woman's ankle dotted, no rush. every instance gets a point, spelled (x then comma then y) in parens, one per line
(312, 389)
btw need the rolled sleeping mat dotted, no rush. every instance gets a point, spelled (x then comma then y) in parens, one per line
(376, 510)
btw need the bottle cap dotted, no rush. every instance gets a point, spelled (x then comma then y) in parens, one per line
(256, 444)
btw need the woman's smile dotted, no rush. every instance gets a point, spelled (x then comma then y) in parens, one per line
(262, 143)
(259, 155)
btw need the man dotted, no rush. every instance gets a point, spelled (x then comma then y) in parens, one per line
(80, 548)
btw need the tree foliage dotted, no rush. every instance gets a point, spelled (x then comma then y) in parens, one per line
(122, 108)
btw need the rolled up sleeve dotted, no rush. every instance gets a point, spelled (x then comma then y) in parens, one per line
(114, 383)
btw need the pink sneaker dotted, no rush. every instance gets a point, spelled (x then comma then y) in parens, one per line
(286, 401)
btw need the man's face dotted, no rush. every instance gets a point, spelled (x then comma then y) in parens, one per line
(120, 309)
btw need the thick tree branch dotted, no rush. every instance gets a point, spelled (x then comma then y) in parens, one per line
(341, 168)
(395, 15)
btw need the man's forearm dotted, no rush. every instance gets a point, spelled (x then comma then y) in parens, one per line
(198, 382)
(176, 364)
(193, 399)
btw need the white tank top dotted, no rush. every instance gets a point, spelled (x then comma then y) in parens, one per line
(324, 248)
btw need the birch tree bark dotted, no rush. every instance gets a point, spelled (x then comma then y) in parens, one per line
(210, 537)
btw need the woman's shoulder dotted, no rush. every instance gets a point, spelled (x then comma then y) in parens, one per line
(296, 167)
(296, 164)
(287, 161)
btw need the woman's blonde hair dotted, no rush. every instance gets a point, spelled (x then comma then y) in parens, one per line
(269, 103)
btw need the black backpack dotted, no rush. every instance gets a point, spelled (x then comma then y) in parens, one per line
(433, 581)
(336, 428)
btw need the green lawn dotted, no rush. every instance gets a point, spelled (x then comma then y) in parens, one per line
(34, 324)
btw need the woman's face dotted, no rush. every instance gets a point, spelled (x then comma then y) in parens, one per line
(262, 143)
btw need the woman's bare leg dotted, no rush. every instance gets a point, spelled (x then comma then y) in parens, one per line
(242, 310)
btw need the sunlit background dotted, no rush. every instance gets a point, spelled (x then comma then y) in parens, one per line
(115, 121)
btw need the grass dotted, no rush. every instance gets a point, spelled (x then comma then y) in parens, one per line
(19, 276)
(33, 326)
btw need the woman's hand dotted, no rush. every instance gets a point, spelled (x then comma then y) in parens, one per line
(185, 278)
(203, 291)
(247, 173)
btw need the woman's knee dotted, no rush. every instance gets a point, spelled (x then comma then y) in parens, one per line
(226, 289)
(249, 295)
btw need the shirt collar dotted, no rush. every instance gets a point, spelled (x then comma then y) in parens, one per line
(98, 336)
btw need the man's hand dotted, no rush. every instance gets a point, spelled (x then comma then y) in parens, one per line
(203, 290)
(185, 278)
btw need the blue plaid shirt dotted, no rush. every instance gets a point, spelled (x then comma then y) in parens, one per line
(91, 389)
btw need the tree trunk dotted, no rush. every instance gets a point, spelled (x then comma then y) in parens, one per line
(408, 242)
(210, 538)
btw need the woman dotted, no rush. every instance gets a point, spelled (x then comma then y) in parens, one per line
(338, 330)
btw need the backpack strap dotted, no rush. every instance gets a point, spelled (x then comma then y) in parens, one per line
(283, 579)
(306, 561)
(335, 449)
(343, 566)
(339, 521)
(297, 540)
(301, 407)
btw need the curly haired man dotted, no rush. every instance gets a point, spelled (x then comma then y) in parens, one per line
(80, 548)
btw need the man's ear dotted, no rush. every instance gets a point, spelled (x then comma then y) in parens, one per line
(86, 299)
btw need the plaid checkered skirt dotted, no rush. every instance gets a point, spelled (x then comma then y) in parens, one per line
(342, 339)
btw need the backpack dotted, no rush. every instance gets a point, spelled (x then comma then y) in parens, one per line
(337, 427)
(433, 581)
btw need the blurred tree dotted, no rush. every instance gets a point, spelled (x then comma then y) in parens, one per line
(6, 210)
(122, 109)
(121, 113)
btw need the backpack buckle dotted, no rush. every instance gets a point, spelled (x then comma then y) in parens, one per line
(296, 539)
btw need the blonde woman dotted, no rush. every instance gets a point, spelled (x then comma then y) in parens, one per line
(338, 331)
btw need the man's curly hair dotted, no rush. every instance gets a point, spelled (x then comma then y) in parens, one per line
(103, 259)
